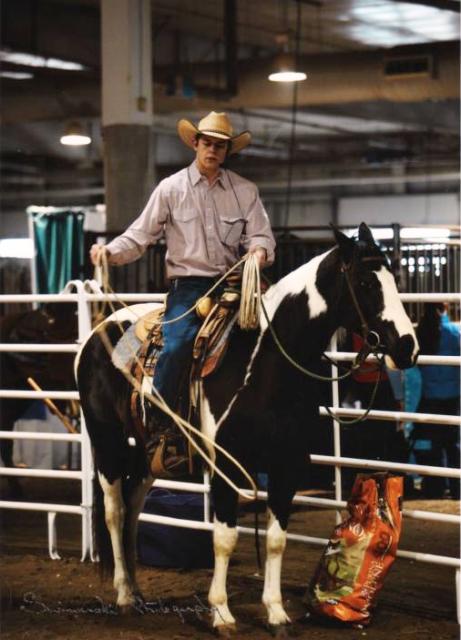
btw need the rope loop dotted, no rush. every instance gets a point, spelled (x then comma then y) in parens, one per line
(250, 303)
(156, 399)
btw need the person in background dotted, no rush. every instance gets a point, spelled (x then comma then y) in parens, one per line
(440, 394)
(370, 439)
(209, 217)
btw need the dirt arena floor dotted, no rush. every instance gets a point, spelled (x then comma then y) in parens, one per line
(44, 599)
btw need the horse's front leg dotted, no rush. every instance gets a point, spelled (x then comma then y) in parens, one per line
(272, 594)
(282, 487)
(114, 509)
(224, 540)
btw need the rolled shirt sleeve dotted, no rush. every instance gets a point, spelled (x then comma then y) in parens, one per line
(147, 229)
(258, 232)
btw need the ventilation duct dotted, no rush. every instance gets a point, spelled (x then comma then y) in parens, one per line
(408, 66)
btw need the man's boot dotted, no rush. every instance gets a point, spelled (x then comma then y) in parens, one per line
(164, 446)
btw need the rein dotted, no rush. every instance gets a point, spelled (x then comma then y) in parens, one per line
(371, 342)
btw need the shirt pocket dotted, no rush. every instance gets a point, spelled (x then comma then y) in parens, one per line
(184, 231)
(185, 215)
(231, 230)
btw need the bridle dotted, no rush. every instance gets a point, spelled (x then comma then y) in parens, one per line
(371, 339)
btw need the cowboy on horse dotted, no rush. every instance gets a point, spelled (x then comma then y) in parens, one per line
(207, 214)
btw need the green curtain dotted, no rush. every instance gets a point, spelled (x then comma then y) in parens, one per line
(59, 244)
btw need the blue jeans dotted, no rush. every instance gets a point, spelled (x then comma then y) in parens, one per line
(178, 337)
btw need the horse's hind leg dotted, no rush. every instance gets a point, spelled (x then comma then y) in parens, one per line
(114, 509)
(6, 453)
(10, 411)
(224, 541)
(136, 503)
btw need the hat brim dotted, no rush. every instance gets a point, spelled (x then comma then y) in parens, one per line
(187, 132)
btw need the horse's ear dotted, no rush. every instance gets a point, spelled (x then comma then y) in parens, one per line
(365, 234)
(346, 244)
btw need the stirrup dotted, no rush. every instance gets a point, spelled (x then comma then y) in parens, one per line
(165, 464)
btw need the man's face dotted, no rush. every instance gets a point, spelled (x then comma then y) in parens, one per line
(210, 153)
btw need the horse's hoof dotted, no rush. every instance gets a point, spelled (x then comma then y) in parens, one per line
(226, 630)
(279, 631)
(126, 609)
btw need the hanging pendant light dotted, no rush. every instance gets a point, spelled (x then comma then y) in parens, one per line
(75, 135)
(284, 69)
(285, 66)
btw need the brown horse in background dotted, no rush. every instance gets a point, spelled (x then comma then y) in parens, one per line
(53, 323)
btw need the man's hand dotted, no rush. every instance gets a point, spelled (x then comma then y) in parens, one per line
(260, 254)
(96, 252)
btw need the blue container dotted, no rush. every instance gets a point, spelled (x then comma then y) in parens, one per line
(176, 547)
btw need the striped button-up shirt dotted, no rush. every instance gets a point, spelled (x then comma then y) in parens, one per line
(204, 225)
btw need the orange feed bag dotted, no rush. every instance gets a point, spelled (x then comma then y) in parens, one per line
(360, 552)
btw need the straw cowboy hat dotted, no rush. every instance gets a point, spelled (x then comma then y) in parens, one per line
(216, 125)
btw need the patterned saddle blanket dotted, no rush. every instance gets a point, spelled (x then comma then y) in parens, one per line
(208, 352)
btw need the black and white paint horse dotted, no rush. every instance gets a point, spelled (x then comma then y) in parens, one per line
(257, 406)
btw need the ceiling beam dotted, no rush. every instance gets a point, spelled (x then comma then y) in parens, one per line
(332, 80)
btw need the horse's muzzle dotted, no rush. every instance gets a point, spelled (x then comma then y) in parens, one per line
(404, 355)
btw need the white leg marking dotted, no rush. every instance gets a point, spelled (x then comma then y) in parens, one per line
(115, 515)
(224, 541)
(272, 595)
(136, 505)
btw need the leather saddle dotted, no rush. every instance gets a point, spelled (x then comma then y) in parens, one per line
(208, 352)
(210, 344)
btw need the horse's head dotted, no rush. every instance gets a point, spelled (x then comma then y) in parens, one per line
(371, 301)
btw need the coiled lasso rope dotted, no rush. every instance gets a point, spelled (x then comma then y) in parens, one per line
(250, 302)
(155, 398)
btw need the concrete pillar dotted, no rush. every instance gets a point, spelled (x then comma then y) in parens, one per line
(126, 108)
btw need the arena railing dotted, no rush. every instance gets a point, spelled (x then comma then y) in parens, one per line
(83, 297)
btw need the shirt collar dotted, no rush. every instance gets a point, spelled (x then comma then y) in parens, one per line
(196, 176)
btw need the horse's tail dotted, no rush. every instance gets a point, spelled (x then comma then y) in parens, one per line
(101, 534)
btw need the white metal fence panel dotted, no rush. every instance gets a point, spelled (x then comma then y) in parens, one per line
(85, 294)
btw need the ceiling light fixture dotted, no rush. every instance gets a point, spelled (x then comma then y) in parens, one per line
(32, 60)
(285, 69)
(75, 135)
(16, 75)
(285, 64)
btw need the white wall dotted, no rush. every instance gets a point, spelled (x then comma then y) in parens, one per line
(305, 212)
(437, 208)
